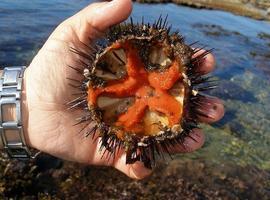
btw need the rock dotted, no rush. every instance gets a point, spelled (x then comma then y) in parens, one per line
(249, 8)
(268, 11)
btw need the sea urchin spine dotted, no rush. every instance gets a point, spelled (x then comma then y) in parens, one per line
(141, 90)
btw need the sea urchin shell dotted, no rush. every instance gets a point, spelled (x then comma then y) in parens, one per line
(142, 90)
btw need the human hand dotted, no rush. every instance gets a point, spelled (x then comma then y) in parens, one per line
(49, 126)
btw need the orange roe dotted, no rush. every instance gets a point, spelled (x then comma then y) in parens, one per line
(150, 89)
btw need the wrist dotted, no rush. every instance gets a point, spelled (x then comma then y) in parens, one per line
(25, 110)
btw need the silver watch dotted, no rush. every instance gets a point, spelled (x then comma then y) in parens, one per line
(11, 130)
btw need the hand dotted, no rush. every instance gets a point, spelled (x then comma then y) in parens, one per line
(47, 122)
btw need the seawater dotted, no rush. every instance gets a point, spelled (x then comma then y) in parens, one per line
(241, 47)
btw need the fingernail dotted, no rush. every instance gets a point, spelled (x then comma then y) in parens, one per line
(210, 108)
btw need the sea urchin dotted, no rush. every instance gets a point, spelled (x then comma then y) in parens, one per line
(142, 90)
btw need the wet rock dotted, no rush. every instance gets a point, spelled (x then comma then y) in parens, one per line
(218, 31)
(45, 162)
(255, 9)
(268, 11)
(185, 179)
(264, 36)
(229, 90)
(260, 53)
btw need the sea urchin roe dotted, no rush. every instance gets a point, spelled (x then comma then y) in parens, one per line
(150, 89)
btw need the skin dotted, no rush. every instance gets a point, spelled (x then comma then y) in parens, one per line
(48, 125)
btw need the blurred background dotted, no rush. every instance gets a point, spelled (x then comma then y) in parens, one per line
(234, 163)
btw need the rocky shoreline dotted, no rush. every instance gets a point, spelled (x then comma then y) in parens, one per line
(50, 178)
(257, 9)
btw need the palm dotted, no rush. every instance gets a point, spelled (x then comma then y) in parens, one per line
(50, 125)
(50, 120)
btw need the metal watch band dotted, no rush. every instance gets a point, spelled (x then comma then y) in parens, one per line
(11, 130)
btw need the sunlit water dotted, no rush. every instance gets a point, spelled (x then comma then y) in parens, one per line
(243, 67)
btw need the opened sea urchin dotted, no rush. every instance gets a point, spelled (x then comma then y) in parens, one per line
(141, 90)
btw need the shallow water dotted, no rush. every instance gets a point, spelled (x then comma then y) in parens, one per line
(241, 46)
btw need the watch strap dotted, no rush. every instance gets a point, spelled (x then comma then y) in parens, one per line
(11, 130)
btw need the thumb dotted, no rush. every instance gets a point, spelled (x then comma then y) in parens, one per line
(136, 171)
(93, 20)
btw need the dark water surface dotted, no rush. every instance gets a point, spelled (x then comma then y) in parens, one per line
(242, 138)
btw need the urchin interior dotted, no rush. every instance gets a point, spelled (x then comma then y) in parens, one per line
(112, 66)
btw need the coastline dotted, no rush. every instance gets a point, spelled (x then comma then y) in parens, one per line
(256, 9)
